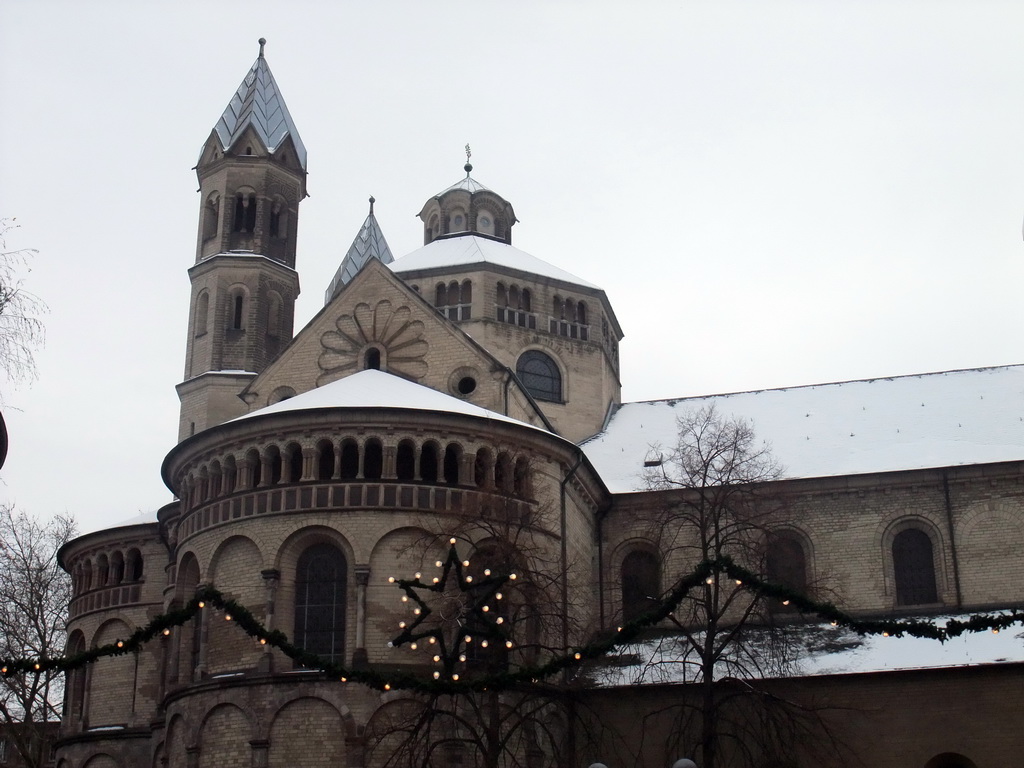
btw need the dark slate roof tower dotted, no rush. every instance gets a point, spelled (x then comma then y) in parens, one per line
(252, 177)
(369, 244)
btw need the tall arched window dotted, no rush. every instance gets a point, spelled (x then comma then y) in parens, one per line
(320, 582)
(913, 564)
(540, 375)
(75, 684)
(786, 561)
(641, 583)
(405, 460)
(373, 460)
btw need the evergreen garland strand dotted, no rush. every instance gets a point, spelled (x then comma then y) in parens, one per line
(385, 681)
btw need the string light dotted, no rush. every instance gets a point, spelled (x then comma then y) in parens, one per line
(437, 675)
(167, 632)
(120, 644)
(577, 656)
(202, 604)
(451, 540)
(438, 564)
(785, 602)
(391, 579)
(227, 617)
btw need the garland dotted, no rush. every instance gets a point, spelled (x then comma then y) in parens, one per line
(705, 573)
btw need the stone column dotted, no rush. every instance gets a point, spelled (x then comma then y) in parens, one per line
(359, 657)
(309, 464)
(260, 749)
(271, 580)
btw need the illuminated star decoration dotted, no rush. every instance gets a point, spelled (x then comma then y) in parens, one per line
(466, 610)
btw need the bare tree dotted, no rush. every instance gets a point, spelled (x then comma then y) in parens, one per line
(34, 596)
(21, 330)
(720, 502)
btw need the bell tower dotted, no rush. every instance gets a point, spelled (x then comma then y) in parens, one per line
(252, 177)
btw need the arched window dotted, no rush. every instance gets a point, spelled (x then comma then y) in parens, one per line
(501, 299)
(102, 571)
(230, 475)
(786, 561)
(428, 463)
(526, 300)
(641, 583)
(325, 461)
(202, 312)
(452, 457)
(349, 460)
(237, 310)
(482, 469)
(913, 565)
(540, 375)
(116, 568)
(245, 213)
(276, 465)
(371, 361)
(133, 565)
(405, 461)
(581, 313)
(441, 295)
(373, 460)
(466, 295)
(320, 582)
(294, 463)
(503, 473)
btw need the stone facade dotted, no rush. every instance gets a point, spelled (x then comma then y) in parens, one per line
(263, 486)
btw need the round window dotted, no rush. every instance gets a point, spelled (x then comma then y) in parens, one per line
(484, 221)
(466, 385)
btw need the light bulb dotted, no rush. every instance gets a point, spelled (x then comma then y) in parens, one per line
(418, 574)
(437, 659)
(785, 602)
(413, 646)
(437, 675)
(577, 656)
(405, 598)
(469, 579)
(202, 604)
(451, 540)
(120, 644)
(455, 676)
(512, 576)
(468, 638)
(487, 571)
(499, 620)
(438, 563)
(431, 639)
(462, 657)
(167, 632)
(508, 643)
(483, 644)
(263, 641)
(498, 596)
(436, 580)
(387, 686)
(401, 625)
(227, 617)
(465, 563)
(416, 611)
(391, 579)
(486, 608)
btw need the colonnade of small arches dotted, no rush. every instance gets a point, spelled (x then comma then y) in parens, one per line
(428, 461)
(107, 569)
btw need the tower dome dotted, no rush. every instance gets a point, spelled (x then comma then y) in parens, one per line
(467, 207)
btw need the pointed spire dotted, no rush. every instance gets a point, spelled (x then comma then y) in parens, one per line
(258, 103)
(369, 244)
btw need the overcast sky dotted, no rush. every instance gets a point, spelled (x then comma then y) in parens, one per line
(771, 193)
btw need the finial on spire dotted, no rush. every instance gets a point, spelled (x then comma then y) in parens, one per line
(468, 166)
(372, 201)
(263, 42)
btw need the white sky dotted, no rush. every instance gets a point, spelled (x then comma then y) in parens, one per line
(771, 193)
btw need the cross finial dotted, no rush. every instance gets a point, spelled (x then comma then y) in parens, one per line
(468, 166)
(263, 42)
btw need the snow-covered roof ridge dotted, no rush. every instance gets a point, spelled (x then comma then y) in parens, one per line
(258, 103)
(378, 389)
(918, 421)
(466, 250)
(368, 244)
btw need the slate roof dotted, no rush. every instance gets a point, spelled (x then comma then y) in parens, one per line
(258, 103)
(853, 427)
(368, 244)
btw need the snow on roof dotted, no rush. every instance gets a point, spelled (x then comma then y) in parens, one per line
(469, 184)
(852, 427)
(814, 650)
(377, 389)
(471, 249)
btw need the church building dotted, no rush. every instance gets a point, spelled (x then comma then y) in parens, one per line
(470, 392)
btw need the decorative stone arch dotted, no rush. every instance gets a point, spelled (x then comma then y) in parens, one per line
(888, 538)
(76, 679)
(233, 541)
(110, 675)
(299, 722)
(211, 216)
(223, 723)
(116, 567)
(279, 394)
(230, 481)
(991, 531)
(950, 760)
(326, 458)
(102, 570)
(245, 205)
(292, 463)
(277, 218)
(101, 760)
(291, 547)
